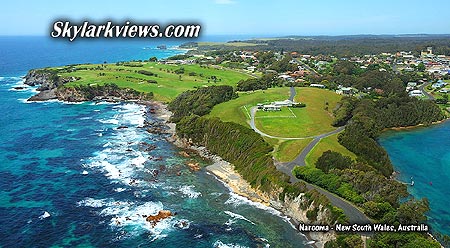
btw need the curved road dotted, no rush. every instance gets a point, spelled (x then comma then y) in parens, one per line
(424, 92)
(352, 212)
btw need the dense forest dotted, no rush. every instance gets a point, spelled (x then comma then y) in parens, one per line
(343, 46)
(200, 101)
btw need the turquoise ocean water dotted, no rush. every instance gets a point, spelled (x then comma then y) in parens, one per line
(69, 177)
(424, 154)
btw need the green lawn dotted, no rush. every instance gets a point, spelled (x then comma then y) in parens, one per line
(312, 120)
(237, 110)
(290, 149)
(325, 144)
(309, 121)
(169, 84)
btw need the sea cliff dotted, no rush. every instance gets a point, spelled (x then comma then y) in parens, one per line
(51, 86)
(294, 207)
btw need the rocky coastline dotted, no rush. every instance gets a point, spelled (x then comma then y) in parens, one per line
(51, 87)
(226, 173)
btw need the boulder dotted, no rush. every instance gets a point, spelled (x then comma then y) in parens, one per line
(162, 214)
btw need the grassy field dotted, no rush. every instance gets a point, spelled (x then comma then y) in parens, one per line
(169, 84)
(312, 120)
(289, 122)
(237, 110)
(325, 144)
(290, 149)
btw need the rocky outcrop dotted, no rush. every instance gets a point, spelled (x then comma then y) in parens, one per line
(106, 92)
(46, 79)
(310, 208)
(162, 214)
(52, 86)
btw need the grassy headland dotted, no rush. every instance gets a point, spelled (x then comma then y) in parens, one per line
(166, 81)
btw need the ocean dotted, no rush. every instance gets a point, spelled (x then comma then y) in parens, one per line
(70, 178)
(423, 154)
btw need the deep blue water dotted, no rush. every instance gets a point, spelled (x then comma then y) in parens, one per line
(424, 154)
(69, 177)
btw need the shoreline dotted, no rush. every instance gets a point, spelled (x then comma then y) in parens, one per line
(225, 173)
(416, 126)
(395, 175)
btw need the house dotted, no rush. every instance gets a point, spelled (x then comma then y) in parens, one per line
(415, 93)
(345, 91)
(287, 78)
(439, 84)
(271, 107)
(411, 86)
(318, 86)
(285, 103)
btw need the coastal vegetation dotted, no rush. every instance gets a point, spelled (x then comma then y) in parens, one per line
(200, 101)
(165, 81)
(329, 143)
(250, 155)
(341, 46)
(208, 112)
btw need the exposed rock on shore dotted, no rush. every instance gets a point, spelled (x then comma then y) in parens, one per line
(162, 214)
(52, 87)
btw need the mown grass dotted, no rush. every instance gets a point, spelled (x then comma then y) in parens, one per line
(290, 149)
(238, 110)
(325, 144)
(314, 119)
(169, 84)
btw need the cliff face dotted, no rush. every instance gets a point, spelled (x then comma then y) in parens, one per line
(51, 86)
(296, 207)
(46, 79)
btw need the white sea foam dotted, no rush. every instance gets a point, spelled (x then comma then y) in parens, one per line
(238, 216)
(91, 202)
(109, 121)
(236, 200)
(189, 191)
(72, 103)
(104, 103)
(121, 161)
(139, 160)
(220, 244)
(44, 215)
(119, 190)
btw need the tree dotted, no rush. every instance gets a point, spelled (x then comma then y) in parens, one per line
(153, 59)
(421, 67)
(333, 160)
(413, 211)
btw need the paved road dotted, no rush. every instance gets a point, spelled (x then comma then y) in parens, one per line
(352, 212)
(300, 159)
(293, 93)
(307, 67)
(425, 93)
